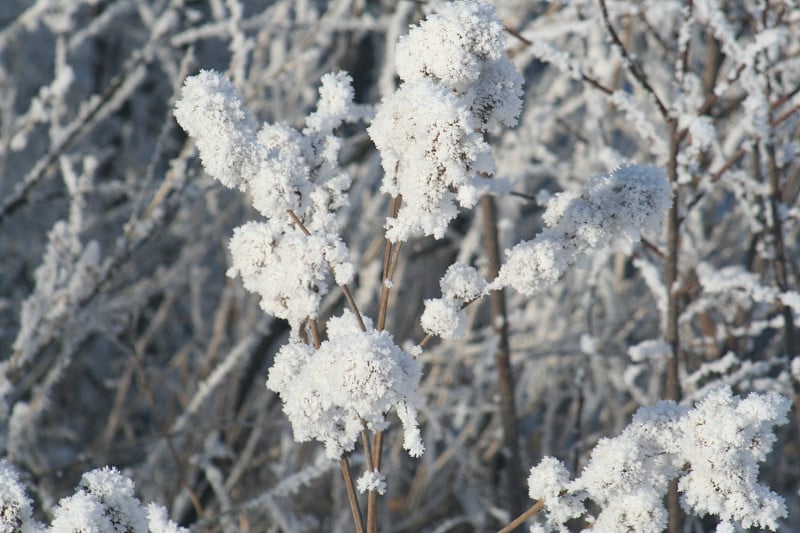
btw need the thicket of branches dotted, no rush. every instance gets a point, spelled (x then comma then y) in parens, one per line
(124, 343)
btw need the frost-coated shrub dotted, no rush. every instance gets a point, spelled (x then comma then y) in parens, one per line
(461, 238)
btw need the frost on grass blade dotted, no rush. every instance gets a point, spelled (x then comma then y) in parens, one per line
(352, 381)
(628, 201)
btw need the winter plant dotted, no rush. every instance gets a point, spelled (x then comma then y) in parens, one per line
(467, 243)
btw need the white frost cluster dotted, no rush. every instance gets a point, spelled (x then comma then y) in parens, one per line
(726, 438)
(628, 201)
(15, 505)
(284, 170)
(287, 268)
(372, 480)
(457, 84)
(349, 383)
(104, 503)
(444, 317)
(714, 451)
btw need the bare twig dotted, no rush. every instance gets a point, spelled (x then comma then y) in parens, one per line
(518, 521)
(351, 494)
(632, 67)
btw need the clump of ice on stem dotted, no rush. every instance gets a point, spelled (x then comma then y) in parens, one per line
(295, 181)
(445, 317)
(713, 449)
(628, 201)
(347, 385)
(457, 84)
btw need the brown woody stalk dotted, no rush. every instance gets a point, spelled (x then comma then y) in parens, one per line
(514, 482)
(518, 521)
(374, 455)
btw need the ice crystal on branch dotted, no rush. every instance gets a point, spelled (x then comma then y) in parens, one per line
(457, 85)
(350, 383)
(628, 201)
(372, 480)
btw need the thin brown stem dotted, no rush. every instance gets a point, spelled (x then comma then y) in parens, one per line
(389, 262)
(315, 333)
(780, 260)
(518, 521)
(505, 378)
(351, 494)
(672, 388)
(373, 454)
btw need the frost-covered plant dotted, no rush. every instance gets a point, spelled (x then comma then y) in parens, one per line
(290, 174)
(347, 384)
(713, 449)
(457, 84)
(121, 346)
(103, 503)
(16, 513)
(623, 204)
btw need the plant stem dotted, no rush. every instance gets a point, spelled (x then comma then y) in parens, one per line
(374, 455)
(351, 494)
(518, 521)
(672, 389)
(508, 415)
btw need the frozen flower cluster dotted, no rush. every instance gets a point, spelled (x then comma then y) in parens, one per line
(347, 385)
(287, 172)
(444, 317)
(104, 503)
(714, 451)
(630, 200)
(457, 84)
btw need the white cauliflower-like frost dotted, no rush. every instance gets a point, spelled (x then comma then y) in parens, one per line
(350, 382)
(458, 84)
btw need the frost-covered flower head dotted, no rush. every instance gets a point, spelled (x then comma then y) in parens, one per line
(713, 450)
(105, 502)
(287, 268)
(285, 170)
(352, 381)
(457, 84)
(624, 203)
(461, 47)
